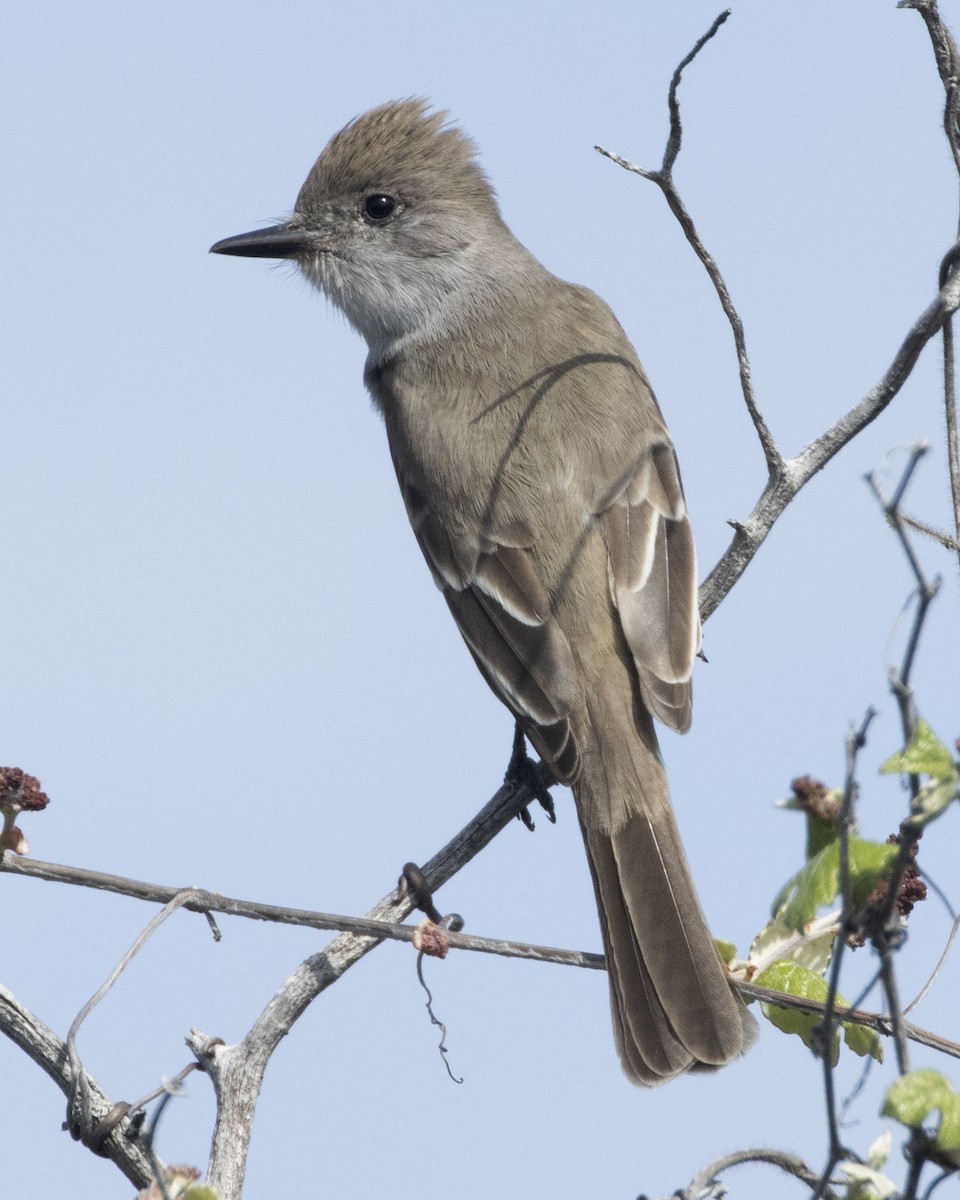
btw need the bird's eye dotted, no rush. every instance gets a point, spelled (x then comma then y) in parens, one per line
(379, 207)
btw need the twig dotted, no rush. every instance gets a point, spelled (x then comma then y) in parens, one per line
(237, 1071)
(785, 476)
(750, 534)
(949, 268)
(789, 1163)
(926, 591)
(664, 181)
(888, 920)
(79, 1117)
(200, 901)
(845, 822)
(948, 66)
(49, 1052)
(945, 540)
(879, 1022)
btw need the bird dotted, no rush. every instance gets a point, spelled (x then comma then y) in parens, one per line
(543, 488)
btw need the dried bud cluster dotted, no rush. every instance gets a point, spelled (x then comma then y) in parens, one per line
(19, 792)
(814, 797)
(911, 891)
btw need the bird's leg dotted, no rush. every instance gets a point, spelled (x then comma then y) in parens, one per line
(523, 770)
(413, 883)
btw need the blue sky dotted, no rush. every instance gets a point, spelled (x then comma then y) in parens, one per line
(223, 656)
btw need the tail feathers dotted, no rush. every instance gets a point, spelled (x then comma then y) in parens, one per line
(673, 1007)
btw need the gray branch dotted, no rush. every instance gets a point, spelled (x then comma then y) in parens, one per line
(785, 477)
(49, 1052)
(237, 1071)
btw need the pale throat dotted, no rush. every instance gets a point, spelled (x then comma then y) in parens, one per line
(399, 301)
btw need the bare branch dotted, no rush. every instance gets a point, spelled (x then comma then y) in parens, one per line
(778, 493)
(950, 395)
(50, 1053)
(237, 1071)
(673, 104)
(79, 1117)
(789, 1163)
(200, 901)
(846, 821)
(787, 477)
(926, 590)
(879, 1022)
(948, 65)
(664, 180)
(937, 535)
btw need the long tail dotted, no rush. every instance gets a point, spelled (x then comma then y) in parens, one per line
(673, 1007)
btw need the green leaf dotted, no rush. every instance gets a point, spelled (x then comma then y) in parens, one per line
(867, 1184)
(818, 883)
(861, 1040)
(814, 885)
(932, 798)
(795, 980)
(912, 1098)
(879, 1150)
(869, 862)
(726, 950)
(925, 755)
(778, 941)
(820, 833)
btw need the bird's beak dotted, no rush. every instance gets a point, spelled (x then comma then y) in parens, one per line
(278, 241)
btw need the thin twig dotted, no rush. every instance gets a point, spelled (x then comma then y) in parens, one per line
(664, 181)
(749, 535)
(237, 1071)
(201, 901)
(926, 591)
(173, 1082)
(673, 104)
(79, 1117)
(49, 1052)
(950, 418)
(941, 963)
(785, 477)
(945, 540)
(948, 65)
(845, 822)
(789, 1163)
(888, 919)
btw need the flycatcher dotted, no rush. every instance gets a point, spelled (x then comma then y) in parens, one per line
(543, 488)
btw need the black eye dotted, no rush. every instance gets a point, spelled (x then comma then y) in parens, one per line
(379, 207)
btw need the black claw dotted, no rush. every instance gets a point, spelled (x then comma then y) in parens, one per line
(524, 771)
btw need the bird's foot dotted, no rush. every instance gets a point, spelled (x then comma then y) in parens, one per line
(522, 770)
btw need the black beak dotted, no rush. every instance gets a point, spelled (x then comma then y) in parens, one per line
(279, 241)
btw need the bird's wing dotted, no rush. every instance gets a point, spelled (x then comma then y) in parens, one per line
(503, 611)
(653, 579)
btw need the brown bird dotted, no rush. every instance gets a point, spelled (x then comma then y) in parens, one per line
(543, 488)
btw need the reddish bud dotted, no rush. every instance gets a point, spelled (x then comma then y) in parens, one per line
(431, 939)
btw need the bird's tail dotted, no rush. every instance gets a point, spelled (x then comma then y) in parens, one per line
(673, 1007)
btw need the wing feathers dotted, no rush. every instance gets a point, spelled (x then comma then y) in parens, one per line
(653, 576)
(509, 578)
